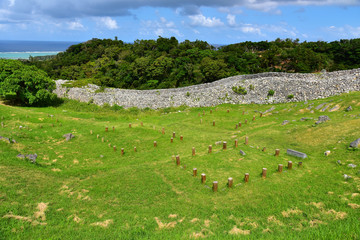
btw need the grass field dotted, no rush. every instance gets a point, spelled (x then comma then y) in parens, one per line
(83, 189)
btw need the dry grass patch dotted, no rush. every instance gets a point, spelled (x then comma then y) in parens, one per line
(162, 225)
(103, 224)
(337, 215)
(354, 205)
(289, 212)
(42, 207)
(238, 231)
(272, 219)
(315, 223)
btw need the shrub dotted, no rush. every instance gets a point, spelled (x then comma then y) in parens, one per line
(291, 96)
(239, 90)
(25, 84)
(251, 87)
(271, 92)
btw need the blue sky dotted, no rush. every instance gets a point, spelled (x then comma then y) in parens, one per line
(217, 22)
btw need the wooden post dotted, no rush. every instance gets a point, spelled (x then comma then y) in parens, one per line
(264, 172)
(243, 112)
(210, 111)
(109, 145)
(194, 172)
(113, 129)
(236, 143)
(106, 129)
(300, 164)
(210, 149)
(193, 151)
(230, 182)
(181, 138)
(91, 132)
(246, 178)
(239, 124)
(280, 168)
(129, 125)
(236, 126)
(135, 149)
(122, 151)
(114, 148)
(245, 121)
(178, 160)
(199, 114)
(155, 144)
(142, 124)
(264, 149)
(163, 131)
(171, 140)
(277, 152)
(224, 145)
(215, 186)
(289, 165)
(173, 134)
(214, 123)
(246, 140)
(203, 178)
(253, 118)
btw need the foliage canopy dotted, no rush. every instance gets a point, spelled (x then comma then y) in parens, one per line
(25, 84)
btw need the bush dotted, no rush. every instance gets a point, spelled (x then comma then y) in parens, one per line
(25, 84)
(291, 96)
(239, 90)
(271, 92)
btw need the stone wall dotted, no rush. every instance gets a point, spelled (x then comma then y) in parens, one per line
(302, 86)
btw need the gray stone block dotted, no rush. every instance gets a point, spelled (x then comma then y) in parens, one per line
(355, 144)
(296, 153)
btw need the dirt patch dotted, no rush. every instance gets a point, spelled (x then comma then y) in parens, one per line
(21, 218)
(266, 230)
(103, 224)
(56, 170)
(162, 225)
(337, 215)
(75, 218)
(289, 212)
(76, 161)
(194, 220)
(272, 219)
(42, 207)
(353, 205)
(238, 231)
(202, 234)
(172, 216)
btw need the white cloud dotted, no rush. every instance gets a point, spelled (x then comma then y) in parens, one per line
(11, 3)
(231, 19)
(75, 25)
(107, 22)
(249, 28)
(3, 27)
(161, 27)
(201, 20)
(346, 31)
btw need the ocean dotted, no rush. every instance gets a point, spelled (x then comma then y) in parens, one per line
(14, 49)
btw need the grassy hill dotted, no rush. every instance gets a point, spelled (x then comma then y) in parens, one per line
(83, 189)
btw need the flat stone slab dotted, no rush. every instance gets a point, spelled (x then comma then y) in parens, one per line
(296, 153)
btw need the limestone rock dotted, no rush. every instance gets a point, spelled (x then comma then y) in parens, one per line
(355, 144)
(348, 109)
(296, 153)
(351, 165)
(32, 157)
(322, 118)
(285, 122)
(242, 152)
(68, 136)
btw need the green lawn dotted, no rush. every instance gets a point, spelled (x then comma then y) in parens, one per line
(83, 189)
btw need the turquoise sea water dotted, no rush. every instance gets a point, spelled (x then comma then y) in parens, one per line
(24, 55)
(15, 49)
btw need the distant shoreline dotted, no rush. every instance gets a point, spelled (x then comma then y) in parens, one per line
(26, 55)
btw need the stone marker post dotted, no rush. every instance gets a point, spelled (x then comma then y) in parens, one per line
(246, 178)
(178, 160)
(277, 152)
(230, 182)
(203, 178)
(193, 151)
(280, 168)
(194, 172)
(289, 165)
(224, 145)
(246, 140)
(264, 170)
(236, 143)
(122, 151)
(215, 186)
(210, 149)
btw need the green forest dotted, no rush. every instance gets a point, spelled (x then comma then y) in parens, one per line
(168, 63)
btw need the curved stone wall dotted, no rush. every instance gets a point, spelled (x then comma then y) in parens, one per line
(302, 86)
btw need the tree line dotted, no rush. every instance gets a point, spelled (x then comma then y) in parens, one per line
(168, 63)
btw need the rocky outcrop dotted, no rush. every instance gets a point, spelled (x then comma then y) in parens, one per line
(303, 87)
